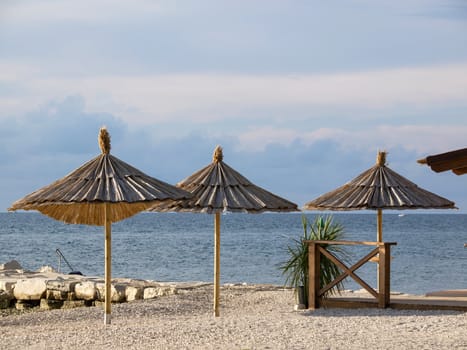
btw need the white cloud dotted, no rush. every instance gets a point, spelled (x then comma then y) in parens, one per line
(214, 97)
(421, 139)
(83, 11)
(11, 71)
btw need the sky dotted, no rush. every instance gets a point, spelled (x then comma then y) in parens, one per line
(300, 94)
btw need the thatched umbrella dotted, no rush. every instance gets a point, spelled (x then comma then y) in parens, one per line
(102, 191)
(379, 188)
(218, 188)
(453, 160)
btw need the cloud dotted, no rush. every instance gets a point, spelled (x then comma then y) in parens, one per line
(49, 142)
(418, 138)
(214, 97)
(40, 11)
(57, 127)
(300, 96)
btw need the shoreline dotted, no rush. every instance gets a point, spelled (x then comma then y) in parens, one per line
(18, 285)
(251, 317)
(258, 261)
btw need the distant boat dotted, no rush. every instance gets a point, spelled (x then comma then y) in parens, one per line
(400, 215)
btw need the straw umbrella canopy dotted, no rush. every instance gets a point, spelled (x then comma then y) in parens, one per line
(453, 160)
(219, 188)
(379, 188)
(102, 191)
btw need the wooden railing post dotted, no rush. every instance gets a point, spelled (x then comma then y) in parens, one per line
(316, 292)
(313, 275)
(384, 275)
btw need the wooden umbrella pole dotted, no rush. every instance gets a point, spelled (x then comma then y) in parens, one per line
(380, 225)
(217, 263)
(379, 238)
(108, 264)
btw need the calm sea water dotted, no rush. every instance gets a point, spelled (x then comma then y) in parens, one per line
(429, 255)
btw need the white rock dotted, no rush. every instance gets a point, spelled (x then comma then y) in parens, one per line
(71, 304)
(133, 293)
(86, 290)
(150, 293)
(30, 289)
(117, 292)
(62, 285)
(46, 268)
(155, 292)
(50, 304)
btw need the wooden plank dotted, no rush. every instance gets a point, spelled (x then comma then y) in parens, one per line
(350, 242)
(460, 171)
(349, 272)
(449, 164)
(387, 275)
(348, 303)
(313, 275)
(383, 277)
(426, 306)
(421, 303)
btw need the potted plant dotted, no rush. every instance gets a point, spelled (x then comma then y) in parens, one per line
(295, 268)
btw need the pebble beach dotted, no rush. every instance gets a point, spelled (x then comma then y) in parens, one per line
(252, 317)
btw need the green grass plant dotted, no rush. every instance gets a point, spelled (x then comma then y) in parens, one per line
(295, 268)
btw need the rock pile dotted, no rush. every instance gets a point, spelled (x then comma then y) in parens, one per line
(50, 290)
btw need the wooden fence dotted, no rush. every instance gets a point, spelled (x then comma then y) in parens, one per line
(382, 252)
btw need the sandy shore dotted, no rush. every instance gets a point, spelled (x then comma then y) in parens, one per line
(252, 317)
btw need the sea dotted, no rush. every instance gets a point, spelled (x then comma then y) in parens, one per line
(179, 247)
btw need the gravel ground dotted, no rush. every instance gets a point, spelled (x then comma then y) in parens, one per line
(252, 317)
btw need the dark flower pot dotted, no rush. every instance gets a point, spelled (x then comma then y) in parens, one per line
(301, 297)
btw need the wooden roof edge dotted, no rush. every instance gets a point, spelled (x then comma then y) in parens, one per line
(451, 160)
(460, 171)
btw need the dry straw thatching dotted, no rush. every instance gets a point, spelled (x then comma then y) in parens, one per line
(218, 188)
(80, 197)
(102, 191)
(379, 188)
